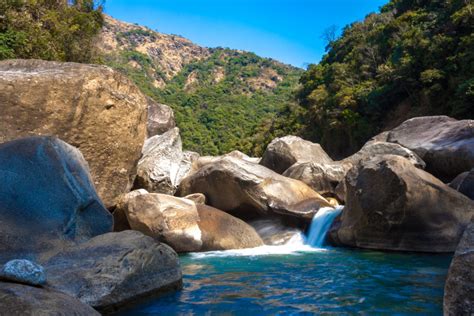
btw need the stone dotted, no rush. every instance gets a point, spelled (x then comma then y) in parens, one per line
(91, 107)
(464, 183)
(378, 148)
(323, 178)
(392, 205)
(205, 160)
(283, 152)
(115, 269)
(120, 211)
(222, 231)
(47, 198)
(167, 218)
(23, 271)
(248, 190)
(19, 299)
(163, 164)
(160, 119)
(197, 198)
(445, 144)
(459, 288)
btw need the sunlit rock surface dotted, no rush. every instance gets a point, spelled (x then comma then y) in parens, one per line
(163, 164)
(283, 152)
(91, 107)
(248, 190)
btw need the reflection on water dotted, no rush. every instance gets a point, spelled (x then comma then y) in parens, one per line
(330, 281)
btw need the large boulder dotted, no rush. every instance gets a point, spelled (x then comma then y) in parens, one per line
(111, 270)
(163, 164)
(459, 288)
(464, 183)
(47, 198)
(121, 209)
(222, 231)
(445, 144)
(327, 178)
(91, 107)
(18, 299)
(160, 119)
(205, 160)
(379, 148)
(392, 205)
(170, 219)
(323, 178)
(283, 152)
(248, 190)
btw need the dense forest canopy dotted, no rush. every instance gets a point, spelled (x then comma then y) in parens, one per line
(50, 29)
(414, 58)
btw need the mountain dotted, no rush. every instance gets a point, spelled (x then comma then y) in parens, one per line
(223, 99)
(414, 58)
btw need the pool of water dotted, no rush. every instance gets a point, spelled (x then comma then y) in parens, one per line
(329, 281)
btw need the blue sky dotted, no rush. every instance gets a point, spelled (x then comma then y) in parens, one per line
(286, 30)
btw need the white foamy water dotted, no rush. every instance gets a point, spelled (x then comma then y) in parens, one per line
(294, 246)
(320, 225)
(297, 244)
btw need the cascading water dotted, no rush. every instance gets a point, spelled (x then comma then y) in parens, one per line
(320, 225)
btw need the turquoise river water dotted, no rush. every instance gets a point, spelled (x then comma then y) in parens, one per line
(326, 281)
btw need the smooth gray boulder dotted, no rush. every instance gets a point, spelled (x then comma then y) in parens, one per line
(163, 164)
(114, 269)
(459, 288)
(47, 198)
(23, 271)
(283, 152)
(160, 119)
(444, 143)
(464, 183)
(392, 205)
(19, 299)
(248, 190)
(378, 148)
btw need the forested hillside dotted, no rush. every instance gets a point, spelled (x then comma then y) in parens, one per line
(414, 58)
(223, 99)
(52, 30)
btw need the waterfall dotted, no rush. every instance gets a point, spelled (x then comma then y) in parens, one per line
(320, 225)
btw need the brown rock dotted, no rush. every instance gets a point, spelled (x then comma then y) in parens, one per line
(221, 231)
(90, 107)
(170, 219)
(283, 152)
(120, 211)
(160, 119)
(197, 198)
(392, 205)
(248, 190)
